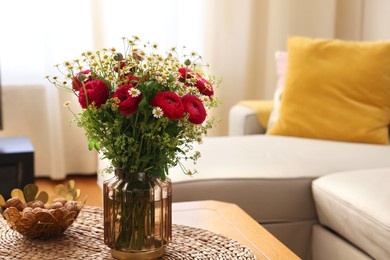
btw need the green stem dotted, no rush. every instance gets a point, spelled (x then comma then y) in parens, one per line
(134, 212)
(86, 95)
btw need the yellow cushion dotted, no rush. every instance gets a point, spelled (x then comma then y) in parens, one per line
(336, 90)
(262, 108)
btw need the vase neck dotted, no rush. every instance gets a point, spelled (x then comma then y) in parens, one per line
(123, 174)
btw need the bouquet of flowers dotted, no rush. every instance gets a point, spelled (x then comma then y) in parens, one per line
(141, 109)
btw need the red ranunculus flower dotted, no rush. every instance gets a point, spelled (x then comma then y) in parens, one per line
(127, 103)
(204, 87)
(170, 103)
(76, 83)
(97, 93)
(131, 80)
(194, 107)
(186, 74)
(121, 64)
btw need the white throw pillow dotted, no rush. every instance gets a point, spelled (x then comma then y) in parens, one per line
(281, 67)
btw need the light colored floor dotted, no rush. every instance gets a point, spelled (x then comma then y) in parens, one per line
(87, 184)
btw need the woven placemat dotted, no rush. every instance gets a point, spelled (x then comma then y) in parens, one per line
(84, 240)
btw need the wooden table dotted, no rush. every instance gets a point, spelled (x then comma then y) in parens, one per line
(231, 221)
(84, 239)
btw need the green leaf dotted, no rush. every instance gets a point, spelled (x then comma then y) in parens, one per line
(90, 145)
(30, 191)
(43, 196)
(93, 143)
(70, 185)
(2, 201)
(143, 104)
(180, 150)
(97, 146)
(146, 158)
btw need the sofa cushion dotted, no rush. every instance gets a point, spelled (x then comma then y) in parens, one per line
(326, 245)
(356, 205)
(270, 176)
(336, 90)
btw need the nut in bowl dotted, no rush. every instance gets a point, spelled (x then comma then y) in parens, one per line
(39, 216)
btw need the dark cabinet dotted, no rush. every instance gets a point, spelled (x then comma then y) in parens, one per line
(16, 164)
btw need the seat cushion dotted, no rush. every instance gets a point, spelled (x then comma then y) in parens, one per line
(270, 176)
(356, 205)
(327, 245)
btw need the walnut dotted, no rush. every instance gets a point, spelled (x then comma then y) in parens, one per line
(62, 200)
(16, 203)
(56, 205)
(27, 209)
(37, 209)
(36, 204)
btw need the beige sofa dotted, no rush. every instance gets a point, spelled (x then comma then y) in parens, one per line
(323, 199)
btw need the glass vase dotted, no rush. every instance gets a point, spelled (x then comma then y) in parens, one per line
(137, 215)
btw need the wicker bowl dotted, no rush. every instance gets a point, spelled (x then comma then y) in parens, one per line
(40, 216)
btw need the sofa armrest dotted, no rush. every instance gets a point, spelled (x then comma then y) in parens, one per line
(249, 117)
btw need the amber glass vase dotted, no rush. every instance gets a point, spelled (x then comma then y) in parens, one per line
(137, 215)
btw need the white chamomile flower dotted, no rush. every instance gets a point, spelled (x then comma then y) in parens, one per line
(67, 103)
(191, 173)
(157, 112)
(134, 92)
(205, 98)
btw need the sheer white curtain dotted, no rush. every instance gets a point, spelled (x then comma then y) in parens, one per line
(35, 35)
(237, 38)
(168, 23)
